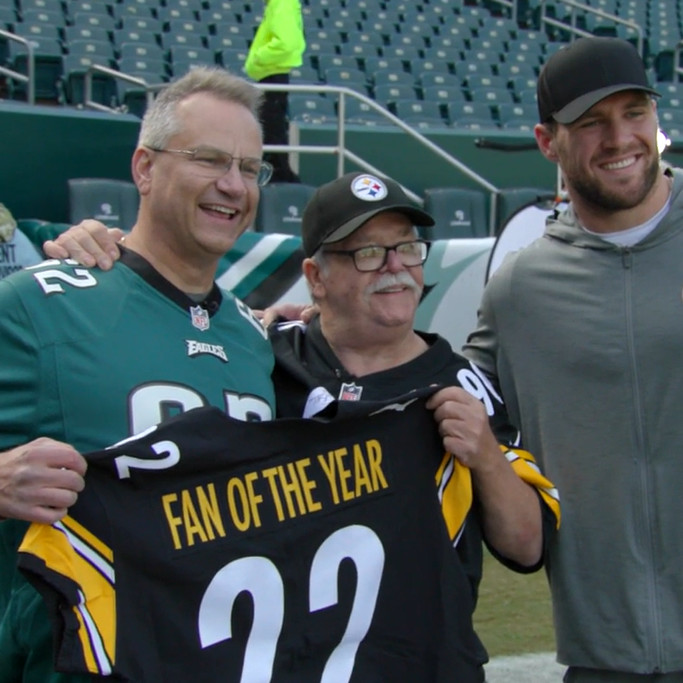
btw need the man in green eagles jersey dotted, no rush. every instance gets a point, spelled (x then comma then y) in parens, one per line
(91, 357)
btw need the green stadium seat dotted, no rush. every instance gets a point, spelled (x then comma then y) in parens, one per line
(511, 199)
(311, 108)
(281, 206)
(457, 212)
(74, 67)
(47, 54)
(113, 202)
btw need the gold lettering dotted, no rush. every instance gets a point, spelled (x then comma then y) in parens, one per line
(361, 472)
(291, 489)
(173, 521)
(191, 519)
(255, 499)
(208, 506)
(236, 490)
(344, 473)
(329, 470)
(270, 475)
(375, 459)
(307, 485)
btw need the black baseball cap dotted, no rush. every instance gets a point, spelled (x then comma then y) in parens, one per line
(586, 71)
(340, 207)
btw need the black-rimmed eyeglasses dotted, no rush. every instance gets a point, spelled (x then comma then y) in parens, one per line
(215, 163)
(374, 256)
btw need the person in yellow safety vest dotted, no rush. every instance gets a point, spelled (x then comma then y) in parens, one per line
(277, 47)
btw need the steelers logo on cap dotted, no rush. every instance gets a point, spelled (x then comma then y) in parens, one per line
(368, 188)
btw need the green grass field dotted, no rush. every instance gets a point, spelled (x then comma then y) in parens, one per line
(513, 615)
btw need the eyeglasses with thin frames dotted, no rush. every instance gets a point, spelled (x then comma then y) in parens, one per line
(214, 163)
(374, 257)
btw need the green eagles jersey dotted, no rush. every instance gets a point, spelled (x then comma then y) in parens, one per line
(91, 357)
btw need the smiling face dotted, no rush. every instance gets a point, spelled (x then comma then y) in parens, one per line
(382, 299)
(609, 157)
(195, 214)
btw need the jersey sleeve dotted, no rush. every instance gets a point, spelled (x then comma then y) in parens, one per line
(20, 368)
(73, 570)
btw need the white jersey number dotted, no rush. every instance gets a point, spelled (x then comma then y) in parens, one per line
(259, 577)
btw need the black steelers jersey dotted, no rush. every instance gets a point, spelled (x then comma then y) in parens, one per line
(293, 551)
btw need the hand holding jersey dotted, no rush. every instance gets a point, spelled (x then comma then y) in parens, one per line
(466, 433)
(40, 480)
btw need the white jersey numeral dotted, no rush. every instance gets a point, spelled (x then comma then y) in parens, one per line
(259, 577)
(151, 404)
(50, 279)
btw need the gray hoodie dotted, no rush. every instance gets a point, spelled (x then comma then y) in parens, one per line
(586, 339)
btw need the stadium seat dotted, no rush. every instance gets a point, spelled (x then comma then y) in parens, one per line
(182, 58)
(142, 10)
(226, 41)
(173, 12)
(350, 78)
(359, 112)
(39, 5)
(347, 27)
(518, 116)
(73, 6)
(359, 50)
(131, 22)
(409, 54)
(520, 83)
(311, 108)
(51, 17)
(485, 81)
(187, 38)
(450, 56)
(113, 202)
(136, 65)
(457, 212)
(74, 67)
(429, 79)
(444, 94)
(102, 51)
(373, 64)
(393, 77)
(388, 93)
(47, 54)
(433, 64)
(95, 20)
(491, 95)
(72, 33)
(135, 35)
(299, 75)
(470, 115)
(329, 60)
(383, 28)
(38, 31)
(280, 207)
(139, 50)
(412, 111)
(134, 96)
(511, 199)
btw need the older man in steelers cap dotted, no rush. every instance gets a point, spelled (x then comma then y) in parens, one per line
(363, 265)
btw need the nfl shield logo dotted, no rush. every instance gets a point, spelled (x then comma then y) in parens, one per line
(200, 318)
(350, 392)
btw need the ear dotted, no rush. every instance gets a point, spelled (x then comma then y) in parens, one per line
(545, 139)
(141, 169)
(313, 275)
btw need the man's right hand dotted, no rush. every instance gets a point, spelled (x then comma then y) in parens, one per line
(40, 480)
(90, 243)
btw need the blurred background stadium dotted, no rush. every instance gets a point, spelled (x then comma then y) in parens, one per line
(440, 94)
